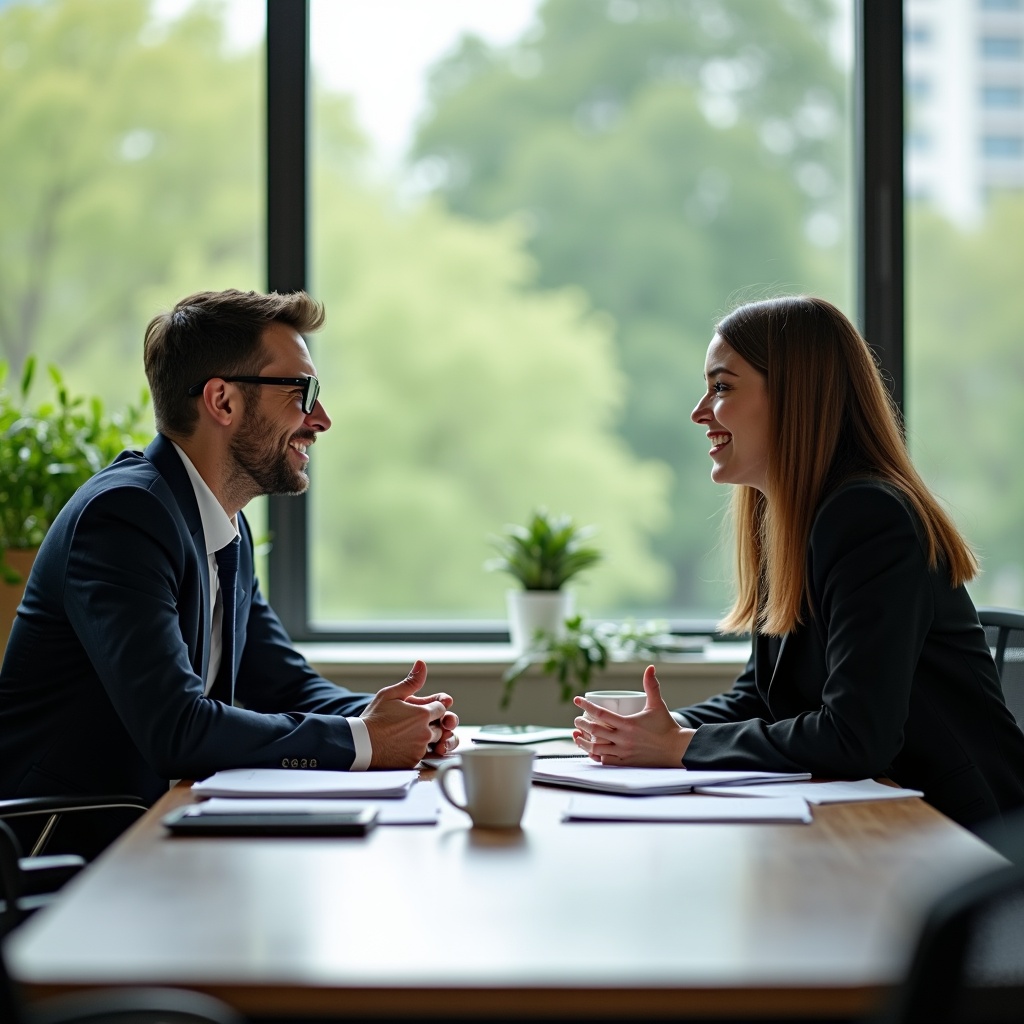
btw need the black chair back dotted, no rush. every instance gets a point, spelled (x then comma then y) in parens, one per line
(1004, 630)
(968, 967)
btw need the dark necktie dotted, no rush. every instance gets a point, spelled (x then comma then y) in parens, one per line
(227, 574)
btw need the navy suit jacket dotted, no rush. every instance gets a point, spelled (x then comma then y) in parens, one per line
(102, 685)
(889, 674)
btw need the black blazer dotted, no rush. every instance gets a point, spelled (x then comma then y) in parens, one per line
(889, 674)
(101, 689)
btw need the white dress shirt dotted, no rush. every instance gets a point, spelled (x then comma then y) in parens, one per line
(219, 529)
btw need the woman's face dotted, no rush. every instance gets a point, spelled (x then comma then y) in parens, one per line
(734, 411)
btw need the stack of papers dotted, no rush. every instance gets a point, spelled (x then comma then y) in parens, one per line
(599, 807)
(283, 782)
(421, 807)
(647, 781)
(816, 792)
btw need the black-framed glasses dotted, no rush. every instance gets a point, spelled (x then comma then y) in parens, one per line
(310, 387)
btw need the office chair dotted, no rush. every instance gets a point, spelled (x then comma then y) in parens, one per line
(26, 885)
(120, 1006)
(1004, 631)
(13, 908)
(29, 882)
(968, 966)
(37, 819)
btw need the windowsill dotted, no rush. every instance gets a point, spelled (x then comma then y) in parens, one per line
(461, 656)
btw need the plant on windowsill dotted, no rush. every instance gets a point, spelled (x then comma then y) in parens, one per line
(582, 648)
(542, 557)
(46, 454)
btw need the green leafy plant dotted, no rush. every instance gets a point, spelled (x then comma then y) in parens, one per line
(546, 553)
(585, 648)
(48, 452)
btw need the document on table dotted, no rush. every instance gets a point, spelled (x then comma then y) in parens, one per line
(435, 761)
(646, 781)
(421, 807)
(816, 792)
(520, 735)
(602, 807)
(285, 782)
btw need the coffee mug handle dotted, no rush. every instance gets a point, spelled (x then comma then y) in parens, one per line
(442, 781)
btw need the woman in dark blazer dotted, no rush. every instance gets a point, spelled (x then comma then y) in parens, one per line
(868, 658)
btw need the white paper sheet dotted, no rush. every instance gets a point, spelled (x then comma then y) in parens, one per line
(421, 807)
(817, 792)
(687, 808)
(286, 782)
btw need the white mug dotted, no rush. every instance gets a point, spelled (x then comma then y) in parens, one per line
(622, 702)
(497, 783)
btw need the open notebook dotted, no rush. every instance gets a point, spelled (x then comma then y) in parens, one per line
(646, 781)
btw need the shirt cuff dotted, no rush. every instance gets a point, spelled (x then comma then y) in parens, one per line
(361, 743)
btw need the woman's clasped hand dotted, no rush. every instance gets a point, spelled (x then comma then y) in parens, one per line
(652, 738)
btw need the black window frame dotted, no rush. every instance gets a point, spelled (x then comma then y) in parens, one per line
(879, 268)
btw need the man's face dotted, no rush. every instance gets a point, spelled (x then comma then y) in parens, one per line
(270, 444)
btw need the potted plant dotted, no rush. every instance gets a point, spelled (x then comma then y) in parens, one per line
(46, 454)
(581, 648)
(542, 556)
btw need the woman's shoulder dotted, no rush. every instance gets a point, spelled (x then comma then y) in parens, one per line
(864, 491)
(864, 505)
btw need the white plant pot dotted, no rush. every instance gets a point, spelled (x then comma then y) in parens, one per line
(530, 610)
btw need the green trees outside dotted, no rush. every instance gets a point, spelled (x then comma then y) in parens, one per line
(462, 396)
(130, 177)
(965, 359)
(670, 159)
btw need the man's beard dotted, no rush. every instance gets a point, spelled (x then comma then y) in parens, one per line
(259, 454)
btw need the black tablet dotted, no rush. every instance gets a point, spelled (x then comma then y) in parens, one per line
(187, 821)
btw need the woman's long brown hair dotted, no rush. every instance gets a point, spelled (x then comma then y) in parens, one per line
(831, 420)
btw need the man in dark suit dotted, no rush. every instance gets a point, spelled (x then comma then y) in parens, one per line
(135, 659)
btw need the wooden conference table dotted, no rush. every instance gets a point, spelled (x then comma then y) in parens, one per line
(555, 919)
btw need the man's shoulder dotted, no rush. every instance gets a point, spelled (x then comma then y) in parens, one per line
(131, 486)
(130, 470)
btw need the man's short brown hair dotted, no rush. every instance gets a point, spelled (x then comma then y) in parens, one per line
(214, 334)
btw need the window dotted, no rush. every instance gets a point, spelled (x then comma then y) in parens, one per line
(527, 361)
(919, 141)
(1001, 5)
(522, 268)
(1002, 97)
(1002, 47)
(964, 309)
(919, 89)
(1003, 146)
(918, 34)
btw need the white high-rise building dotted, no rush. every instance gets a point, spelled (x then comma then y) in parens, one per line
(964, 69)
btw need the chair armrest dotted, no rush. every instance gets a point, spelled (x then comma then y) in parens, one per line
(19, 807)
(47, 874)
(53, 807)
